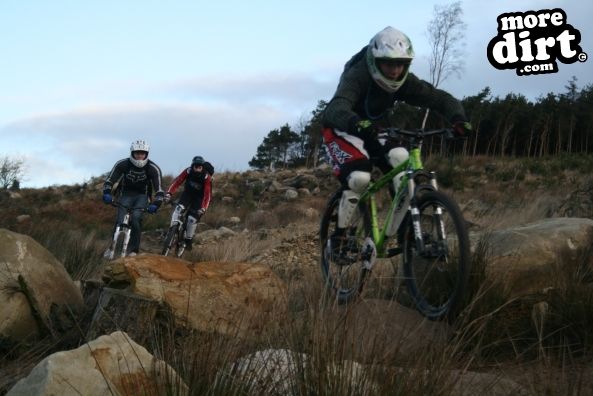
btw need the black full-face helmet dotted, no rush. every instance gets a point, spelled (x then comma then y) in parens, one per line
(197, 160)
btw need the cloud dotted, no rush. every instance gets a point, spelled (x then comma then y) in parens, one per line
(293, 92)
(223, 120)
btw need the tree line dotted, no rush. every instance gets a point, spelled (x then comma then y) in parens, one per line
(553, 124)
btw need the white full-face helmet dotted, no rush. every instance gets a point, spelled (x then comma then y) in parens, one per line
(389, 44)
(139, 145)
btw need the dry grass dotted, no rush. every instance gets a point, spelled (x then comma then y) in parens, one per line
(546, 349)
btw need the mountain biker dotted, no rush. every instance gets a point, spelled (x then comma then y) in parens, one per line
(196, 195)
(136, 178)
(372, 80)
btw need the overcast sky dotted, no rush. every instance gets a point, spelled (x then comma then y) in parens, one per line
(79, 80)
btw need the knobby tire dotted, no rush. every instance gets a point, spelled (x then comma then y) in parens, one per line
(170, 240)
(345, 281)
(437, 278)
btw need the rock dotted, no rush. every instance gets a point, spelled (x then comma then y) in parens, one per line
(230, 298)
(304, 192)
(312, 213)
(290, 194)
(227, 199)
(302, 181)
(470, 383)
(121, 310)
(35, 289)
(110, 365)
(23, 218)
(234, 220)
(275, 186)
(208, 235)
(370, 321)
(525, 257)
(281, 371)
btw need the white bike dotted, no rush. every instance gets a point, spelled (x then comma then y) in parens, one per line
(121, 236)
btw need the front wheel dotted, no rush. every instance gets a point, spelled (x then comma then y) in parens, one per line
(342, 266)
(118, 245)
(436, 255)
(171, 239)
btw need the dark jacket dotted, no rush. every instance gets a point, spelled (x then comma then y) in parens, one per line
(197, 184)
(359, 97)
(133, 180)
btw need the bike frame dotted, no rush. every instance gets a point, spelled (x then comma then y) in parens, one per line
(125, 228)
(410, 167)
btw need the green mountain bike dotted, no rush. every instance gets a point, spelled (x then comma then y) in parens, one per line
(422, 224)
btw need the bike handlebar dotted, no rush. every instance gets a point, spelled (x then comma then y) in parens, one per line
(117, 204)
(416, 133)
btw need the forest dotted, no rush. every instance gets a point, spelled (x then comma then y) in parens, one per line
(552, 125)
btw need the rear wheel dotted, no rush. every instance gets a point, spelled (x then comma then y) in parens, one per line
(171, 240)
(436, 268)
(342, 266)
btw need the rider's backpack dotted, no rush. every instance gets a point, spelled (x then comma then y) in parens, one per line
(356, 58)
(209, 168)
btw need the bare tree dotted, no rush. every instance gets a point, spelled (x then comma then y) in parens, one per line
(11, 172)
(446, 34)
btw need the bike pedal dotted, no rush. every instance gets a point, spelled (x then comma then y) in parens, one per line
(394, 251)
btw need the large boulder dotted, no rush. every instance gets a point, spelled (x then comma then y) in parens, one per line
(230, 298)
(526, 257)
(110, 365)
(34, 287)
(280, 371)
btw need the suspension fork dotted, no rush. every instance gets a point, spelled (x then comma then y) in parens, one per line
(415, 212)
(442, 234)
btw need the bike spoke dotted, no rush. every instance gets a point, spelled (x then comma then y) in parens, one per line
(436, 271)
(341, 263)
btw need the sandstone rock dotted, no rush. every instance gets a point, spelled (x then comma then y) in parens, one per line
(48, 284)
(231, 298)
(110, 365)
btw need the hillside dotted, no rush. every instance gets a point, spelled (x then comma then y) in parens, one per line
(272, 219)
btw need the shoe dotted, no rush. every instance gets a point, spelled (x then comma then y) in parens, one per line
(132, 254)
(188, 243)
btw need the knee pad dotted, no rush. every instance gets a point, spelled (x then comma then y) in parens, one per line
(176, 213)
(190, 228)
(397, 155)
(358, 181)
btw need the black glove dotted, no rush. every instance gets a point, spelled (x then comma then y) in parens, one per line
(364, 129)
(462, 129)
